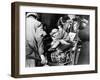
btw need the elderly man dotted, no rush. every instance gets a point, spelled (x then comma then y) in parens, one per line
(34, 41)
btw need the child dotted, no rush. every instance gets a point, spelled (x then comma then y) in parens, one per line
(61, 39)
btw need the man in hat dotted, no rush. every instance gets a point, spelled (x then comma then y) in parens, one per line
(34, 41)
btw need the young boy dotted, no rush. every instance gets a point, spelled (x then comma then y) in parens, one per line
(61, 39)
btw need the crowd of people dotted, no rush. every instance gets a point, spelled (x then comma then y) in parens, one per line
(64, 38)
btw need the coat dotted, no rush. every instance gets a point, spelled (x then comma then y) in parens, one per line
(34, 43)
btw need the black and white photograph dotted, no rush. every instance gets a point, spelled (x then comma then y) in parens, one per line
(51, 39)
(56, 39)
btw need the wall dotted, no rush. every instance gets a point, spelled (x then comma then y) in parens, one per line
(5, 40)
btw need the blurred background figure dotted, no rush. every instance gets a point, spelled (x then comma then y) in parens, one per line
(84, 37)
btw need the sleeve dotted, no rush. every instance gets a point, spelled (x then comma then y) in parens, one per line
(66, 36)
(39, 39)
(40, 47)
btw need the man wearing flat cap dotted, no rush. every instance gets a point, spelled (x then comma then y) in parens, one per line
(34, 41)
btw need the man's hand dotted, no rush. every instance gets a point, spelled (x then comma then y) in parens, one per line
(43, 59)
(55, 44)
